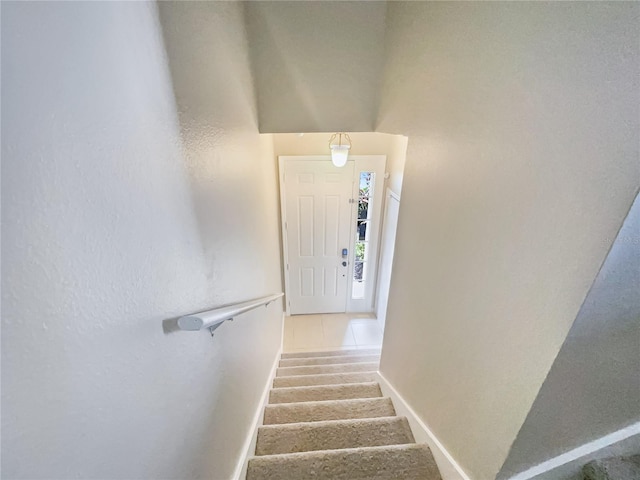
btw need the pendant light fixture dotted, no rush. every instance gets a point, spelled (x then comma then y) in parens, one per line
(339, 151)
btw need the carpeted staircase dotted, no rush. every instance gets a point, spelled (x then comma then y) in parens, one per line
(327, 419)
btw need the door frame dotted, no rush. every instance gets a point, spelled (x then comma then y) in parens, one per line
(375, 163)
(391, 198)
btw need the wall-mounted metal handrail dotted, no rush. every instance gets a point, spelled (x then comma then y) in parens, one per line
(212, 319)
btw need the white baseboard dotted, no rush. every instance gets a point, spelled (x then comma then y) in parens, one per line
(622, 442)
(449, 468)
(249, 447)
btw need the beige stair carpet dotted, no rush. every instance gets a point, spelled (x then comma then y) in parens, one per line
(298, 362)
(325, 392)
(371, 351)
(327, 420)
(333, 368)
(324, 379)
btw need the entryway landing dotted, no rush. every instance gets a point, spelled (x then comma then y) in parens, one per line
(336, 331)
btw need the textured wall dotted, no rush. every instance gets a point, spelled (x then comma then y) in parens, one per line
(369, 143)
(317, 64)
(100, 244)
(522, 163)
(229, 164)
(593, 387)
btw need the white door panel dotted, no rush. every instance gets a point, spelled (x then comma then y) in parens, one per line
(318, 220)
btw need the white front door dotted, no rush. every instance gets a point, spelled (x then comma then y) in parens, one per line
(317, 218)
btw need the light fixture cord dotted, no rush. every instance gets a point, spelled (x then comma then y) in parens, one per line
(339, 135)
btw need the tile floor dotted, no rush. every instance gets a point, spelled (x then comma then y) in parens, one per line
(336, 331)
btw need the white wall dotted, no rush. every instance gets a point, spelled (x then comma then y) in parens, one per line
(396, 159)
(231, 167)
(593, 387)
(522, 163)
(317, 64)
(387, 249)
(100, 244)
(363, 143)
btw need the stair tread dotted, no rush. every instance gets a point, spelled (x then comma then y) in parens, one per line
(324, 392)
(315, 411)
(407, 461)
(324, 379)
(332, 434)
(340, 359)
(319, 369)
(331, 353)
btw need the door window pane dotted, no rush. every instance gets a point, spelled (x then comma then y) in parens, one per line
(362, 230)
(365, 196)
(366, 181)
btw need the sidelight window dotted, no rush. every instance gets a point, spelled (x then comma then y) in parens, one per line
(362, 240)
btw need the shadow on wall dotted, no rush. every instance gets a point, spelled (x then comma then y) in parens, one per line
(317, 65)
(229, 163)
(305, 115)
(593, 387)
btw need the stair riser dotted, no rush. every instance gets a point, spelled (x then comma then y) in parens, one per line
(327, 379)
(305, 437)
(334, 353)
(322, 369)
(331, 410)
(330, 392)
(299, 362)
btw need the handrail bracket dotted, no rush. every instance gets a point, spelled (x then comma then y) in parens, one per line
(212, 319)
(213, 327)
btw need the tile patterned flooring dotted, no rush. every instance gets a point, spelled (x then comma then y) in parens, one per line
(336, 331)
